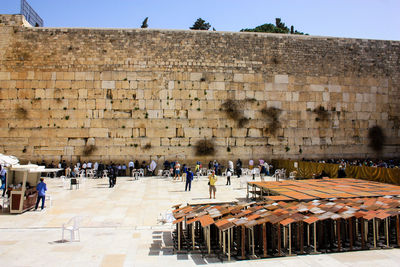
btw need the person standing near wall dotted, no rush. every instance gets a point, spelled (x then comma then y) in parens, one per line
(251, 164)
(228, 177)
(189, 179)
(212, 179)
(238, 168)
(41, 190)
(177, 171)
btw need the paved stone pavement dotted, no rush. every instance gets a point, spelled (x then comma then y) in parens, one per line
(119, 227)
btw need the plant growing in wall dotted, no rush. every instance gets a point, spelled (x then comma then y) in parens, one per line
(322, 114)
(376, 138)
(22, 113)
(272, 114)
(89, 149)
(147, 146)
(205, 148)
(232, 109)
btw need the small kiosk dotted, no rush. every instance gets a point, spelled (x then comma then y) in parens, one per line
(23, 178)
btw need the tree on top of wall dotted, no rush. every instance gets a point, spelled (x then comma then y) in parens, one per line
(144, 23)
(201, 24)
(279, 27)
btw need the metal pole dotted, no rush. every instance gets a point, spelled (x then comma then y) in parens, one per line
(387, 232)
(398, 230)
(308, 235)
(301, 230)
(209, 239)
(362, 233)
(243, 243)
(279, 239)
(229, 245)
(179, 236)
(284, 236)
(252, 240)
(374, 232)
(193, 234)
(315, 237)
(220, 238)
(338, 235)
(223, 242)
(351, 233)
(290, 239)
(265, 239)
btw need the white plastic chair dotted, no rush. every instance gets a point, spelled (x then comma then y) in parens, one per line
(64, 181)
(283, 174)
(292, 175)
(166, 173)
(277, 174)
(49, 199)
(141, 172)
(105, 172)
(6, 204)
(90, 173)
(82, 174)
(73, 227)
(160, 173)
(243, 181)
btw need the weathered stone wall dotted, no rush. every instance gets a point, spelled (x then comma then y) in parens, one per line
(122, 91)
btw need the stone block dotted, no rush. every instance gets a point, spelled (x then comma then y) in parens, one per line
(98, 132)
(108, 84)
(281, 78)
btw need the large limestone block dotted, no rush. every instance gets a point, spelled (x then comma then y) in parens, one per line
(108, 84)
(5, 75)
(239, 132)
(191, 132)
(195, 114)
(281, 79)
(160, 132)
(221, 132)
(98, 132)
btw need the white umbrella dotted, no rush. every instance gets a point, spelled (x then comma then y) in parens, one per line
(8, 160)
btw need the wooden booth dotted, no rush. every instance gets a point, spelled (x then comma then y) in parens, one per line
(26, 177)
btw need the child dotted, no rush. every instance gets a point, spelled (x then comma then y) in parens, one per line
(228, 177)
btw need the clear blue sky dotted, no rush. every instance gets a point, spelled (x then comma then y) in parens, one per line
(373, 19)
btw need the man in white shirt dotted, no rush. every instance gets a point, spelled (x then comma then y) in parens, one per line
(131, 166)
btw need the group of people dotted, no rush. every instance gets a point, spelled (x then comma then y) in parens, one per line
(184, 173)
(73, 170)
(390, 163)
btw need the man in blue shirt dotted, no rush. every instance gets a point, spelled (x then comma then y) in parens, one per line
(189, 179)
(41, 189)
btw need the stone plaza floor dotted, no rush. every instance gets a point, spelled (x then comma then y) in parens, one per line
(119, 227)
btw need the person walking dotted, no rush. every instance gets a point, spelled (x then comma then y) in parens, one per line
(131, 165)
(238, 168)
(3, 177)
(41, 189)
(111, 173)
(212, 179)
(228, 177)
(189, 179)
